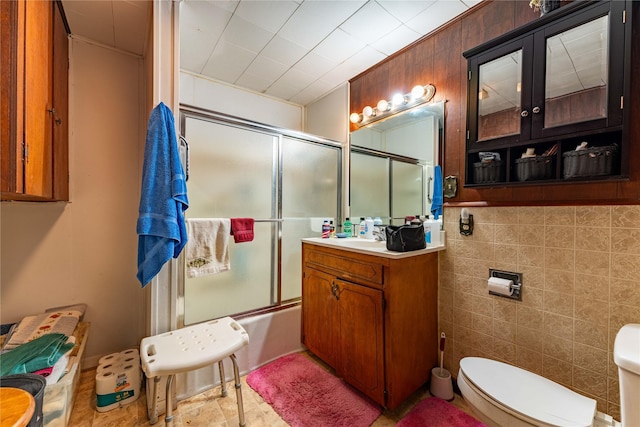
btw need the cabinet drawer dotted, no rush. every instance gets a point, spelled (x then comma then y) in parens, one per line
(346, 267)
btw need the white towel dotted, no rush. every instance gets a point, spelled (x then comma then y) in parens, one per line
(207, 251)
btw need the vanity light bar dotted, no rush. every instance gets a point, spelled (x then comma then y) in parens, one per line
(399, 102)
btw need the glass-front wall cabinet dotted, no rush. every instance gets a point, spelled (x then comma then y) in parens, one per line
(546, 101)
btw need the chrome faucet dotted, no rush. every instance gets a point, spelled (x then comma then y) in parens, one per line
(379, 233)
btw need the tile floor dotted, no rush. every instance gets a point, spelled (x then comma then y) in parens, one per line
(208, 409)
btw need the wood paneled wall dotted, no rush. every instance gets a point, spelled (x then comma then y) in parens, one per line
(437, 59)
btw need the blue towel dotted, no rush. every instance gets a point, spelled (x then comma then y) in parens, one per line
(436, 202)
(161, 228)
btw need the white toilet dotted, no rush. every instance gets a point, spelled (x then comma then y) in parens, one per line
(626, 355)
(505, 395)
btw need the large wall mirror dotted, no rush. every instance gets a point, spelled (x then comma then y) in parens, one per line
(392, 164)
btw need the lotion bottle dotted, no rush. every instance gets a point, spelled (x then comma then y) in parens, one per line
(361, 230)
(368, 228)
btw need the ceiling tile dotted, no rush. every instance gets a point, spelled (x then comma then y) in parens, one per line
(440, 12)
(396, 40)
(227, 5)
(339, 45)
(471, 3)
(312, 92)
(343, 73)
(315, 20)
(297, 79)
(228, 62)
(404, 10)
(370, 23)
(246, 35)
(283, 51)
(315, 64)
(256, 83)
(296, 49)
(207, 18)
(364, 59)
(267, 68)
(267, 14)
(282, 89)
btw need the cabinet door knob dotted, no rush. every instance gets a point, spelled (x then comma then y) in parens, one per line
(536, 110)
(524, 113)
(51, 111)
(334, 291)
(58, 121)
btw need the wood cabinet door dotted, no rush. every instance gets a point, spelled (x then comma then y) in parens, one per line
(361, 338)
(320, 316)
(60, 94)
(38, 106)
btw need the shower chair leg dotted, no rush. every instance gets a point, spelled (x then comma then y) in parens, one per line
(168, 418)
(238, 385)
(223, 384)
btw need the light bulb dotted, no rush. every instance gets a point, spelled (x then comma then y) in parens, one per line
(398, 99)
(382, 106)
(354, 118)
(417, 92)
(368, 112)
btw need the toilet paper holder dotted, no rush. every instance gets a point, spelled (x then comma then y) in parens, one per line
(516, 278)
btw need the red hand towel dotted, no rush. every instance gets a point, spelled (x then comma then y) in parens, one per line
(242, 229)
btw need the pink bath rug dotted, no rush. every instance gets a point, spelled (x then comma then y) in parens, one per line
(306, 395)
(435, 412)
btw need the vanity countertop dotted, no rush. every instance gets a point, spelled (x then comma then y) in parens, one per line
(369, 247)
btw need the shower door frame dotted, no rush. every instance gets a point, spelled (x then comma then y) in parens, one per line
(177, 270)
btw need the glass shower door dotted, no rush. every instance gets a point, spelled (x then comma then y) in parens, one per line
(232, 174)
(310, 194)
(288, 184)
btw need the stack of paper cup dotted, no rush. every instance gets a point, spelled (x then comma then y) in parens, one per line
(118, 378)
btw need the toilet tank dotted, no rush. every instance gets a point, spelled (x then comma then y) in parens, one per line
(626, 349)
(626, 354)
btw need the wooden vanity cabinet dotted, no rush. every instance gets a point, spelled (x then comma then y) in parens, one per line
(371, 318)
(34, 95)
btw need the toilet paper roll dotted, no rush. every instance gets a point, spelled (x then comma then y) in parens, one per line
(117, 387)
(500, 286)
(109, 358)
(132, 352)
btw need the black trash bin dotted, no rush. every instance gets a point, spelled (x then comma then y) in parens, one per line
(35, 385)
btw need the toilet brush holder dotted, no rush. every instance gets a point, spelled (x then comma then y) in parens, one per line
(441, 385)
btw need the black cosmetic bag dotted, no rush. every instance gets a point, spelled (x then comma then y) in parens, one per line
(405, 238)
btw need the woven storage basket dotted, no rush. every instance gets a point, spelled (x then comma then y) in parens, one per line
(532, 168)
(596, 161)
(488, 172)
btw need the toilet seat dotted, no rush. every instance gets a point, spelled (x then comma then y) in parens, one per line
(530, 397)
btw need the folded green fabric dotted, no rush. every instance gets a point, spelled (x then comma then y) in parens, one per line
(34, 355)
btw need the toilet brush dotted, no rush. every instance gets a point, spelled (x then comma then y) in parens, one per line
(441, 385)
(443, 337)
